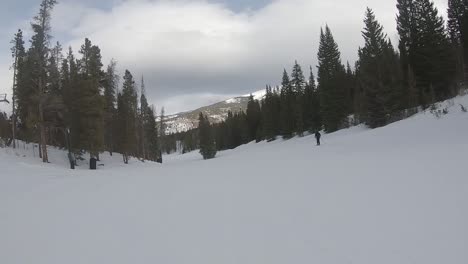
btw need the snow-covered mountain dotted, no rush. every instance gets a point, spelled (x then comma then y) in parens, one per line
(216, 113)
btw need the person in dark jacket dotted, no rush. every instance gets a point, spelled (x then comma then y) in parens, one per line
(317, 137)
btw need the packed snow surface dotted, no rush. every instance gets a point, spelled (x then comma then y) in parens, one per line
(397, 194)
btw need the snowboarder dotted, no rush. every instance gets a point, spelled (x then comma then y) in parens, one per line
(317, 137)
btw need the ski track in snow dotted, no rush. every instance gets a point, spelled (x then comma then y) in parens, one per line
(397, 194)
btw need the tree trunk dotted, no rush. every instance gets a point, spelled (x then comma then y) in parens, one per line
(143, 149)
(42, 51)
(39, 149)
(42, 128)
(45, 157)
(13, 123)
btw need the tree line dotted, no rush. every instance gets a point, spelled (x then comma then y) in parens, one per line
(54, 93)
(386, 84)
(67, 101)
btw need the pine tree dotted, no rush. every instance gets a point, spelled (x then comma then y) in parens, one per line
(287, 107)
(379, 74)
(189, 139)
(65, 78)
(350, 81)
(121, 128)
(207, 142)
(54, 108)
(38, 58)
(55, 59)
(407, 31)
(66, 99)
(458, 29)
(71, 88)
(127, 111)
(5, 127)
(276, 110)
(144, 112)
(23, 91)
(270, 114)
(425, 50)
(298, 85)
(151, 132)
(110, 89)
(438, 71)
(253, 118)
(91, 102)
(162, 130)
(18, 53)
(311, 103)
(220, 135)
(331, 78)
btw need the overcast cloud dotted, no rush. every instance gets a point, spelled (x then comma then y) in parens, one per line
(196, 52)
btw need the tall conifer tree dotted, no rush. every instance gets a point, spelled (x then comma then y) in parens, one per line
(39, 53)
(110, 100)
(379, 74)
(18, 53)
(311, 105)
(331, 76)
(425, 51)
(91, 102)
(207, 141)
(253, 118)
(287, 107)
(458, 29)
(127, 105)
(298, 84)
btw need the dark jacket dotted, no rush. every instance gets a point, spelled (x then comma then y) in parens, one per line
(318, 135)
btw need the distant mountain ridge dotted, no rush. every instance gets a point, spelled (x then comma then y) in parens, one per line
(216, 113)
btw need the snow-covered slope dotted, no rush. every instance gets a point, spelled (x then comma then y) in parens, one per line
(258, 95)
(218, 112)
(397, 194)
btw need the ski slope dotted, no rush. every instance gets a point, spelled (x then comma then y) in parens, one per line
(397, 194)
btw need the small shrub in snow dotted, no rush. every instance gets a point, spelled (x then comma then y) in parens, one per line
(439, 113)
(463, 108)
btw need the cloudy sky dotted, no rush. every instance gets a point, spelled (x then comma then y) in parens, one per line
(195, 52)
